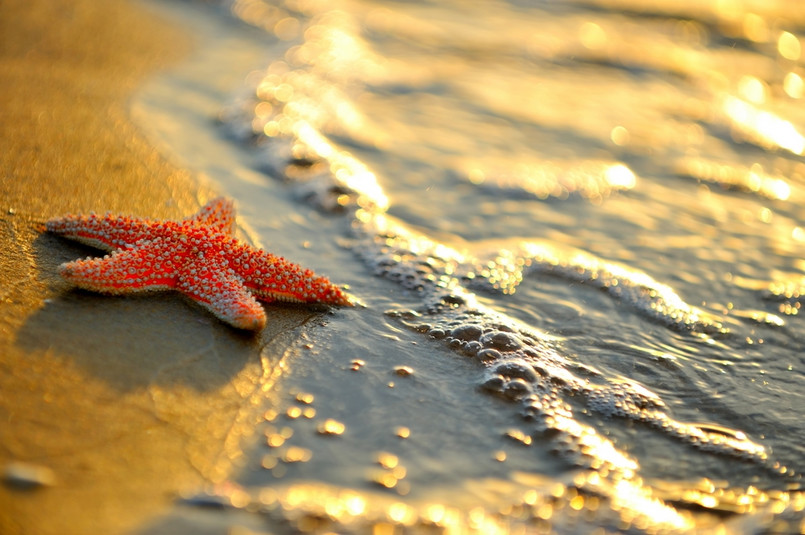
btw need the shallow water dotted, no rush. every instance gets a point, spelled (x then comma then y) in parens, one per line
(574, 229)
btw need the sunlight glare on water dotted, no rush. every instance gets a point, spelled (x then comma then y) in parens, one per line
(576, 229)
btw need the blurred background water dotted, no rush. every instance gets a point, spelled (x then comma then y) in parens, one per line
(575, 231)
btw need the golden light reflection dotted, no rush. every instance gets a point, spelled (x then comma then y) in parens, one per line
(751, 179)
(793, 85)
(258, 13)
(518, 436)
(619, 136)
(788, 46)
(327, 43)
(402, 514)
(718, 496)
(435, 513)
(387, 460)
(592, 36)
(275, 440)
(753, 89)
(304, 397)
(296, 454)
(755, 28)
(762, 127)
(618, 176)
(345, 168)
(354, 505)
(384, 479)
(331, 427)
(333, 43)
(287, 28)
(634, 497)
(512, 506)
(592, 179)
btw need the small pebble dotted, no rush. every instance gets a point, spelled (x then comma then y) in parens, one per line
(403, 371)
(26, 476)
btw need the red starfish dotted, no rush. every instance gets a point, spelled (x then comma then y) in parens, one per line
(198, 256)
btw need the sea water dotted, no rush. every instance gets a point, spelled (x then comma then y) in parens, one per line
(574, 230)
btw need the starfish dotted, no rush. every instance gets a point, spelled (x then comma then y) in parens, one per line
(198, 256)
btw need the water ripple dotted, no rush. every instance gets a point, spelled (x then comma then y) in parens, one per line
(519, 363)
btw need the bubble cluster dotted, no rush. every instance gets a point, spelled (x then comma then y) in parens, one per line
(522, 366)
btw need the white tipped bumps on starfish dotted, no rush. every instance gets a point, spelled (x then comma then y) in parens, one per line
(198, 256)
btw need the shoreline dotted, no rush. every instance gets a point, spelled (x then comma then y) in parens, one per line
(123, 403)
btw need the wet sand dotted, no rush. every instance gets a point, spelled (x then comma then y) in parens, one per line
(117, 404)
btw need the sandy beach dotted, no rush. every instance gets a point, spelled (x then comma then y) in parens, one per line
(574, 234)
(110, 407)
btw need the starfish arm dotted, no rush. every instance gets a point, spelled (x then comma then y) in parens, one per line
(218, 213)
(105, 232)
(125, 271)
(273, 278)
(223, 294)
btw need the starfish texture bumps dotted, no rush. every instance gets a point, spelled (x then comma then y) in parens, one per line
(198, 256)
